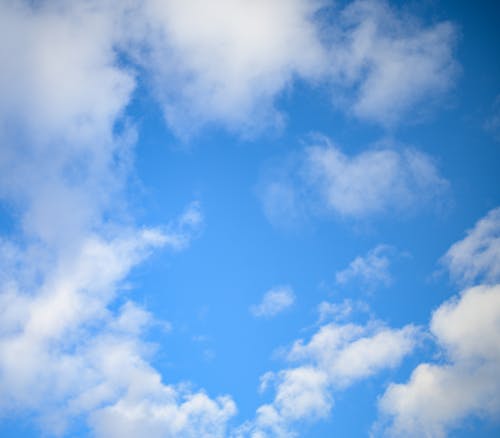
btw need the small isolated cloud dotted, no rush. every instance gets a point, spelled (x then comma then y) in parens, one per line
(336, 357)
(371, 269)
(476, 258)
(323, 179)
(274, 301)
(492, 123)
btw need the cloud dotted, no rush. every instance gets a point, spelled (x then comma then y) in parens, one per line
(336, 357)
(274, 301)
(69, 73)
(229, 62)
(492, 122)
(440, 396)
(323, 179)
(390, 61)
(371, 270)
(340, 311)
(71, 349)
(226, 62)
(476, 258)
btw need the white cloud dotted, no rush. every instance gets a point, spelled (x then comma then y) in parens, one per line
(371, 270)
(226, 61)
(476, 258)
(274, 301)
(438, 397)
(65, 355)
(69, 71)
(391, 61)
(324, 179)
(336, 357)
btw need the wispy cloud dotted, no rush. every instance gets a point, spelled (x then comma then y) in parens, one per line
(389, 60)
(372, 269)
(476, 258)
(274, 301)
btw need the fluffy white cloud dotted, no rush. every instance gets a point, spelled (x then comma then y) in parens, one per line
(336, 357)
(438, 397)
(372, 269)
(226, 61)
(64, 162)
(324, 179)
(69, 71)
(476, 258)
(274, 301)
(390, 60)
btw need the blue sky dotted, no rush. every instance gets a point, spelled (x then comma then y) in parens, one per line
(249, 219)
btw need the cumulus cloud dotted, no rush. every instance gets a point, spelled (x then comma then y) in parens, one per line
(325, 179)
(440, 396)
(476, 258)
(69, 72)
(65, 354)
(227, 61)
(389, 60)
(336, 357)
(274, 301)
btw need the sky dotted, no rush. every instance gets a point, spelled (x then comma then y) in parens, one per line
(249, 218)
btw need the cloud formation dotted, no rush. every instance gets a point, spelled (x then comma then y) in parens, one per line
(371, 269)
(439, 396)
(71, 347)
(476, 258)
(336, 357)
(323, 179)
(389, 60)
(274, 301)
